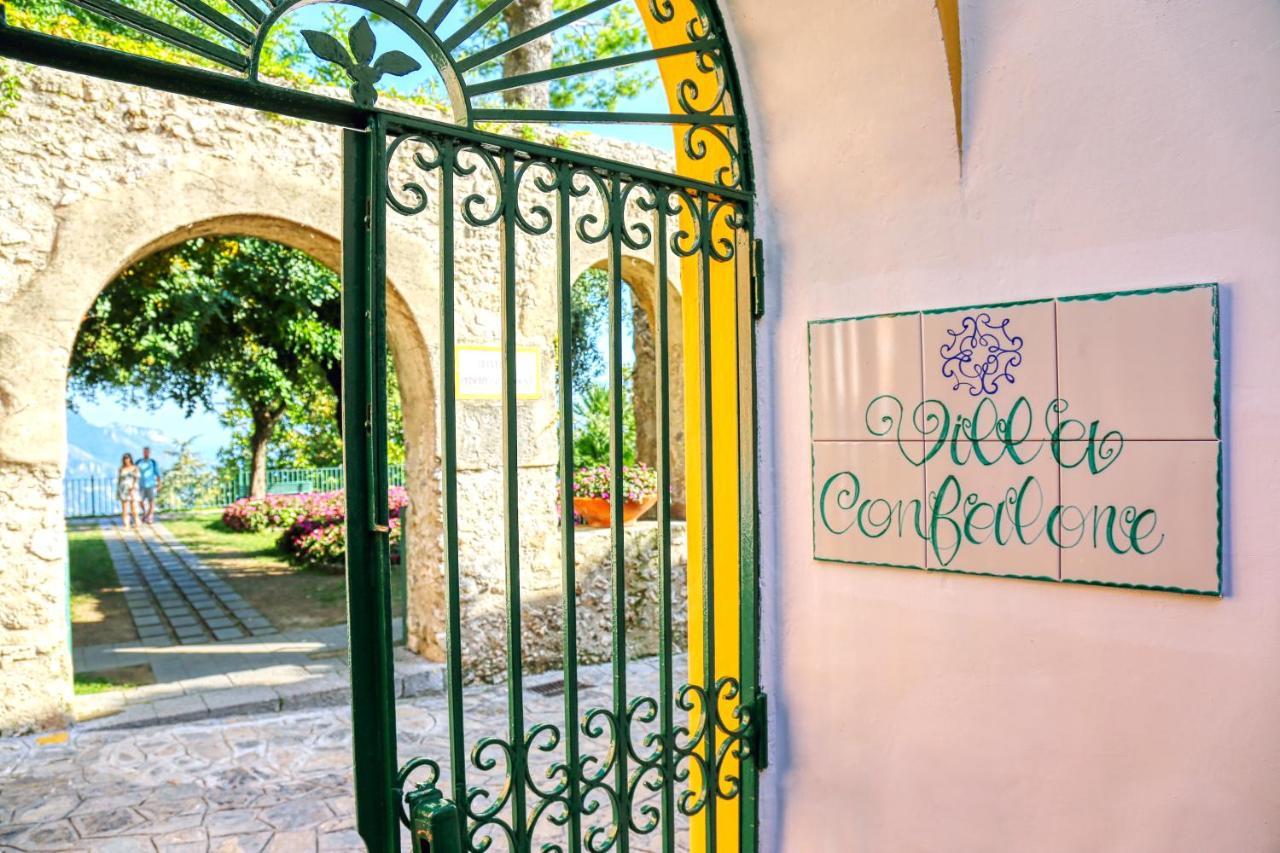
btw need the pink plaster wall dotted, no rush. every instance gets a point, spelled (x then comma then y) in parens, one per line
(1109, 145)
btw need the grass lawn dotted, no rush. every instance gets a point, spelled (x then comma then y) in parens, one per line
(252, 563)
(98, 610)
(113, 679)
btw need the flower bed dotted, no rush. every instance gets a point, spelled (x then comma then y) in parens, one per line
(323, 545)
(253, 514)
(314, 523)
(639, 481)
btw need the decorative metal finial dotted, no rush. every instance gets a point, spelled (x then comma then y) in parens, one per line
(359, 63)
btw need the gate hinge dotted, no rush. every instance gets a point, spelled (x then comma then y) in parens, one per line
(757, 278)
(760, 730)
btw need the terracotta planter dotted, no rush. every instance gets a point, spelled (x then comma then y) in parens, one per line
(596, 511)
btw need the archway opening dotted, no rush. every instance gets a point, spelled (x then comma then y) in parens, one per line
(590, 359)
(240, 328)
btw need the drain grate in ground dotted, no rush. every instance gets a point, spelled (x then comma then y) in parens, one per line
(555, 688)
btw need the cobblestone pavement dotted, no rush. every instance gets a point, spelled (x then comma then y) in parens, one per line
(172, 596)
(277, 782)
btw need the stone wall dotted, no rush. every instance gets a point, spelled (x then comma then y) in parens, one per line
(97, 176)
(542, 605)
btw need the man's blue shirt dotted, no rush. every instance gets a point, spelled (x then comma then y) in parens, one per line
(148, 473)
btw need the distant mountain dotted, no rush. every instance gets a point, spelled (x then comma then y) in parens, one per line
(95, 451)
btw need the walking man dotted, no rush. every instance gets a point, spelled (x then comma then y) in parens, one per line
(148, 485)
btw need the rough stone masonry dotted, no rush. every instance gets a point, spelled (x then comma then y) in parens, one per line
(98, 175)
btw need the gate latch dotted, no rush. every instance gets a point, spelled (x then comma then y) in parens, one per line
(760, 730)
(435, 822)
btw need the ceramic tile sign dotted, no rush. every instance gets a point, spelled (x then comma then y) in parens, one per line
(1070, 440)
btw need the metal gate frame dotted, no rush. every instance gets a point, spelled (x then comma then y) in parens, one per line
(726, 732)
(733, 721)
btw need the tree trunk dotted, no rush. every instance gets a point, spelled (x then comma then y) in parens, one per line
(521, 16)
(264, 423)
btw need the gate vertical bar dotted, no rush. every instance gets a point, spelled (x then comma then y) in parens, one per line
(617, 493)
(710, 776)
(569, 570)
(511, 489)
(748, 527)
(448, 152)
(364, 366)
(666, 681)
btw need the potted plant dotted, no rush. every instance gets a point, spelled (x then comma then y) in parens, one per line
(593, 493)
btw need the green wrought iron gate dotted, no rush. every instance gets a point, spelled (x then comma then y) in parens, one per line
(663, 764)
(625, 768)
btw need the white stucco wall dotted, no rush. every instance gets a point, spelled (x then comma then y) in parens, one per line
(1108, 145)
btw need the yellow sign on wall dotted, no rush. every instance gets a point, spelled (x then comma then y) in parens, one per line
(479, 372)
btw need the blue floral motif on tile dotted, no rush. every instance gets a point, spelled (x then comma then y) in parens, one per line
(981, 354)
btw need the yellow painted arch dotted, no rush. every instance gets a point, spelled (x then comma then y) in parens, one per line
(724, 384)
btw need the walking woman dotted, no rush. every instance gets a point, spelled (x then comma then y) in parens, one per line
(127, 490)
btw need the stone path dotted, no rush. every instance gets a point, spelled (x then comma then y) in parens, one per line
(196, 660)
(292, 670)
(227, 659)
(279, 783)
(172, 596)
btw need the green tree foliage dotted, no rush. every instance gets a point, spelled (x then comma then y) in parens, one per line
(591, 426)
(588, 324)
(306, 436)
(9, 93)
(618, 31)
(188, 481)
(588, 348)
(251, 316)
(285, 55)
(613, 32)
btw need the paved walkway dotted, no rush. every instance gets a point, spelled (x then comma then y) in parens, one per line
(290, 671)
(211, 653)
(198, 660)
(172, 596)
(279, 783)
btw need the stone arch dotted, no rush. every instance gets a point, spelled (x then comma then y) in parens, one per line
(642, 277)
(97, 238)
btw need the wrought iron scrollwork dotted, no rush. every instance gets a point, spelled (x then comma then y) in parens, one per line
(428, 157)
(464, 50)
(626, 753)
(406, 772)
(706, 99)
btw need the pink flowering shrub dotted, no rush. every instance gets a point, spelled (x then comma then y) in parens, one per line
(315, 534)
(253, 514)
(639, 481)
(317, 545)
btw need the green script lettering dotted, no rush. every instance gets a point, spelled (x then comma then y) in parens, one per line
(955, 518)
